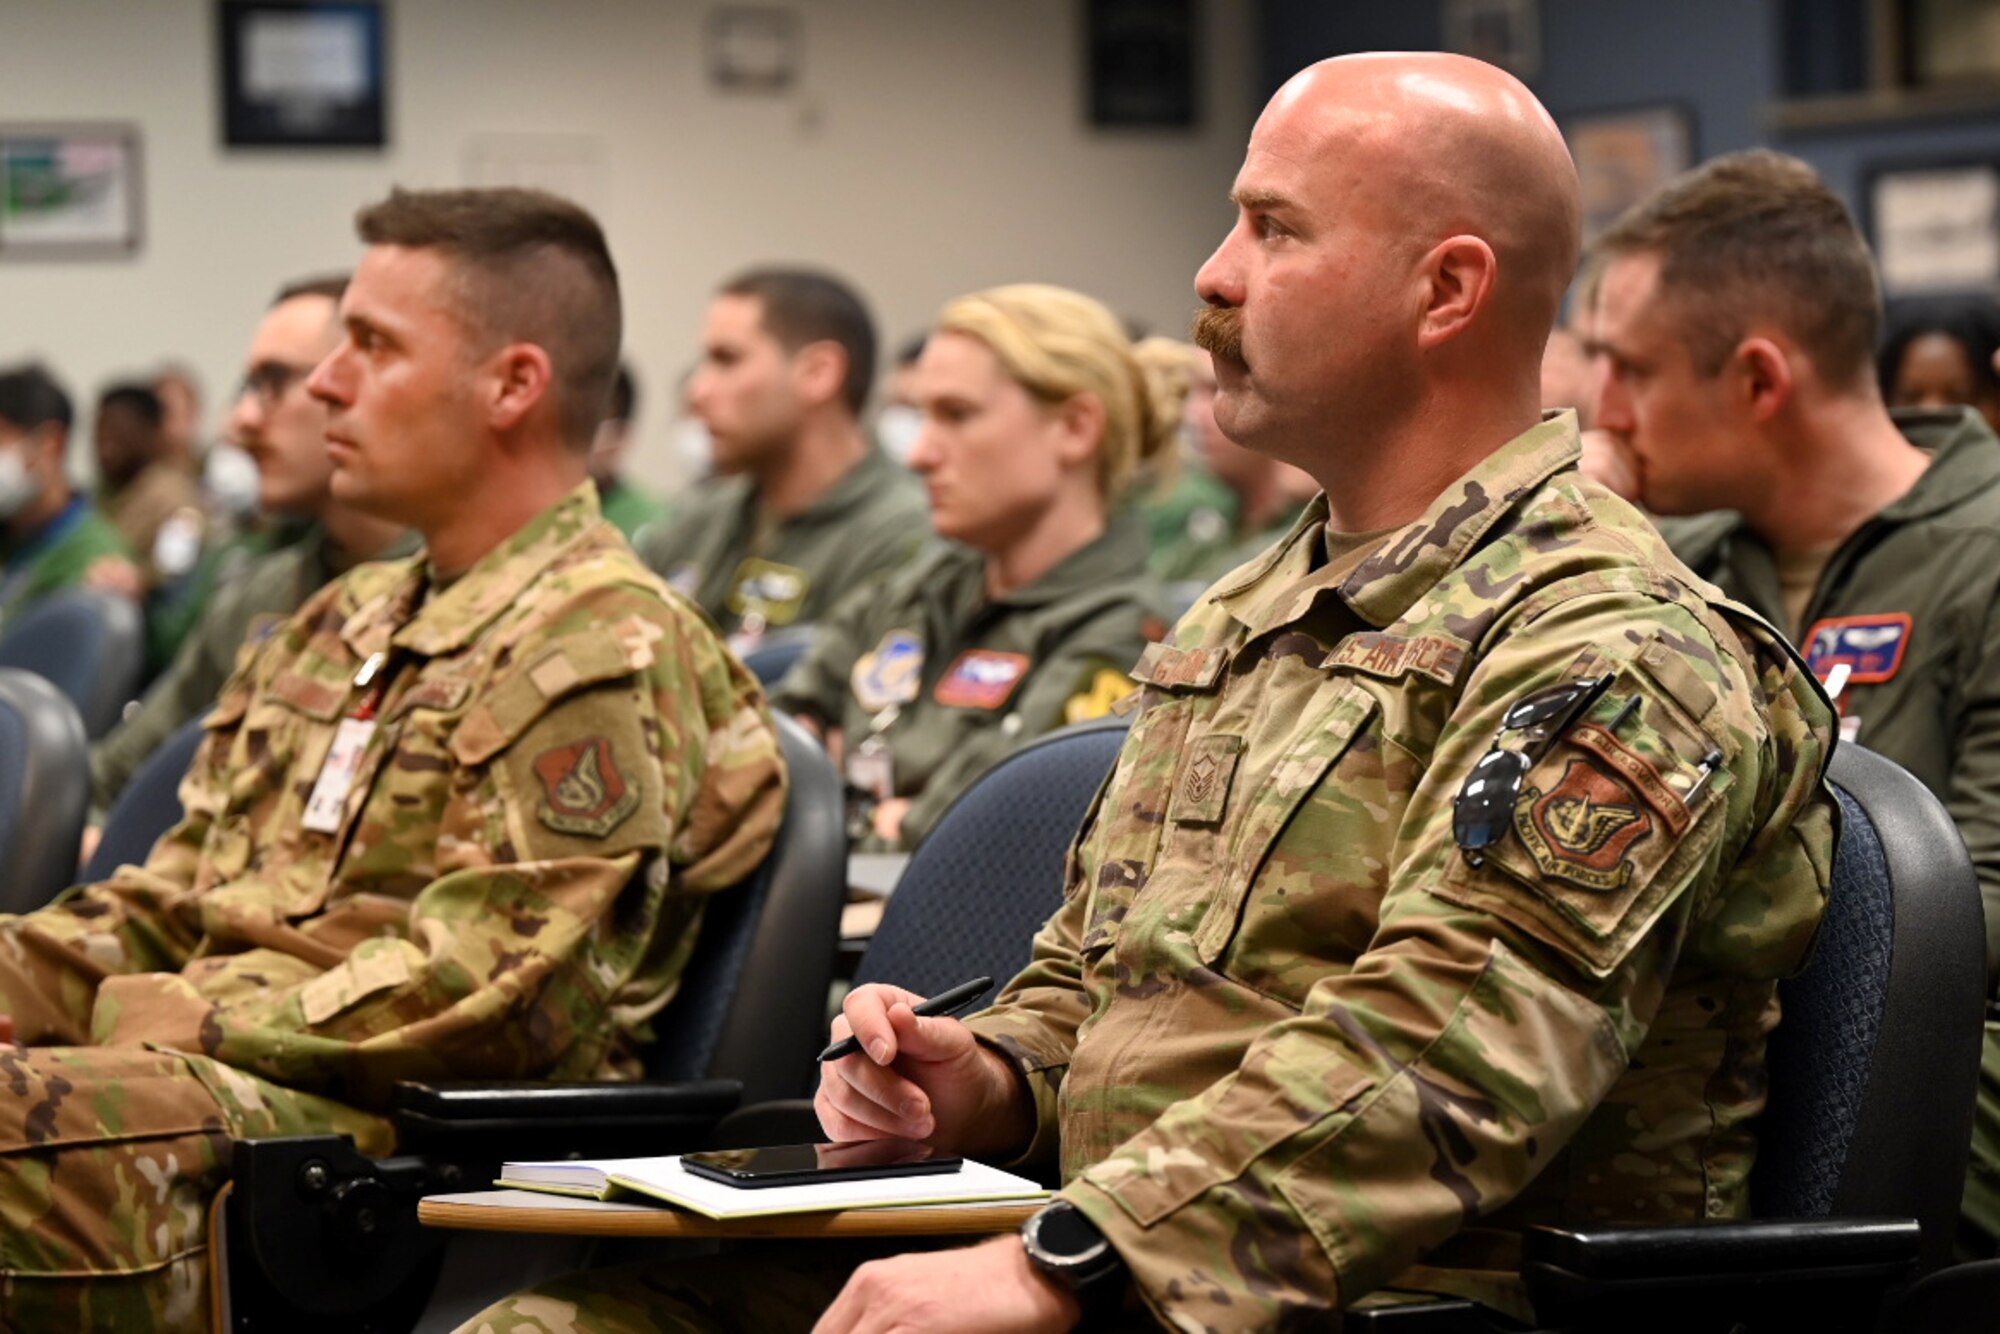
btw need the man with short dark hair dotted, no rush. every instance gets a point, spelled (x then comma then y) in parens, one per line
(50, 536)
(457, 818)
(310, 540)
(1736, 322)
(806, 507)
(152, 499)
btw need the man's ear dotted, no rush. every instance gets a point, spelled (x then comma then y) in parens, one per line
(1762, 376)
(514, 380)
(1459, 273)
(819, 370)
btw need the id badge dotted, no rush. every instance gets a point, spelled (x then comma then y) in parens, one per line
(336, 777)
(872, 769)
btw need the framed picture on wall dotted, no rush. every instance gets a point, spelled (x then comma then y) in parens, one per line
(302, 73)
(1507, 33)
(1623, 156)
(1935, 226)
(70, 192)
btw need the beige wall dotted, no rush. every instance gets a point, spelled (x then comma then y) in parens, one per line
(932, 146)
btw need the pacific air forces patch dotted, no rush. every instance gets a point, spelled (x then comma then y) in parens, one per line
(582, 790)
(1582, 829)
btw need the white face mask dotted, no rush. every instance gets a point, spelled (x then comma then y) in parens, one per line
(229, 474)
(17, 488)
(897, 427)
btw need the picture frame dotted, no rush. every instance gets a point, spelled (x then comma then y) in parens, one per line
(71, 191)
(1507, 33)
(1140, 68)
(1625, 154)
(303, 73)
(1934, 225)
(754, 48)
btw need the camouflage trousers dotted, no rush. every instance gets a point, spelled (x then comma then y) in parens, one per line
(110, 1156)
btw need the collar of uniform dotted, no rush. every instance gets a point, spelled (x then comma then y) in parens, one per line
(433, 621)
(1410, 561)
(1965, 460)
(875, 471)
(1112, 556)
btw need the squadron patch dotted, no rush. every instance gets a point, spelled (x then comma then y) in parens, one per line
(1582, 829)
(980, 679)
(1871, 647)
(582, 790)
(890, 673)
(774, 591)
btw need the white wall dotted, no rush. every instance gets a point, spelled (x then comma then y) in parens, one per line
(931, 147)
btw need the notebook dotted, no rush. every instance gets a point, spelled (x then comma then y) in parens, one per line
(664, 1179)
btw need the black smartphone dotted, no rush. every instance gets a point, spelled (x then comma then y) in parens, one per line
(804, 1164)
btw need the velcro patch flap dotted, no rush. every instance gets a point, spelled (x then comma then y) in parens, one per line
(513, 701)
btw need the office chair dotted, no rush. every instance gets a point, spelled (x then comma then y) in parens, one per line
(44, 790)
(90, 643)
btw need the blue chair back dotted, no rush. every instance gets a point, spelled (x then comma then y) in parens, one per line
(776, 652)
(991, 872)
(149, 806)
(752, 1000)
(44, 790)
(1874, 1059)
(90, 643)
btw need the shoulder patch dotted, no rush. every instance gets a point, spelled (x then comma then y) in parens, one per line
(1870, 647)
(1582, 829)
(890, 673)
(775, 592)
(582, 790)
(981, 679)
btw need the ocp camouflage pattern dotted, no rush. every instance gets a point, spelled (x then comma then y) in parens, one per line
(1292, 1047)
(565, 763)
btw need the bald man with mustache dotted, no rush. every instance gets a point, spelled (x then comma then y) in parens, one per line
(1444, 882)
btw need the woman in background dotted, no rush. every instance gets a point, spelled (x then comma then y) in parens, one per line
(1940, 355)
(1036, 416)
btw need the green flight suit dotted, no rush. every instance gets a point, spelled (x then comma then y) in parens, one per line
(870, 522)
(921, 667)
(55, 558)
(250, 602)
(632, 509)
(1911, 604)
(1191, 523)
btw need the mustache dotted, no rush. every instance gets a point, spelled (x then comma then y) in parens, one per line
(1218, 331)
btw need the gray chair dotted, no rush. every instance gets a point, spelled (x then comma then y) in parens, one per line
(149, 806)
(775, 653)
(90, 643)
(44, 790)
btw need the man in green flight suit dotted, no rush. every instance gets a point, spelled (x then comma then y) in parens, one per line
(630, 507)
(51, 536)
(1445, 880)
(1736, 322)
(806, 508)
(457, 818)
(283, 428)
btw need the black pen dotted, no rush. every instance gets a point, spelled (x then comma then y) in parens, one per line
(945, 1002)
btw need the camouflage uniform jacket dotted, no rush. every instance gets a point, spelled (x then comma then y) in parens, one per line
(949, 681)
(564, 763)
(1911, 603)
(252, 600)
(1293, 1045)
(871, 522)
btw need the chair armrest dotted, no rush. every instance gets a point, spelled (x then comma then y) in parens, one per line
(525, 1119)
(1829, 1273)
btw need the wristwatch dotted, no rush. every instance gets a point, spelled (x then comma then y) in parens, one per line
(1067, 1247)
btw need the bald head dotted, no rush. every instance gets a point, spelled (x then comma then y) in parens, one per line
(1407, 226)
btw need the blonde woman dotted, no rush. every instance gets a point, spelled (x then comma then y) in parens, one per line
(1037, 414)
